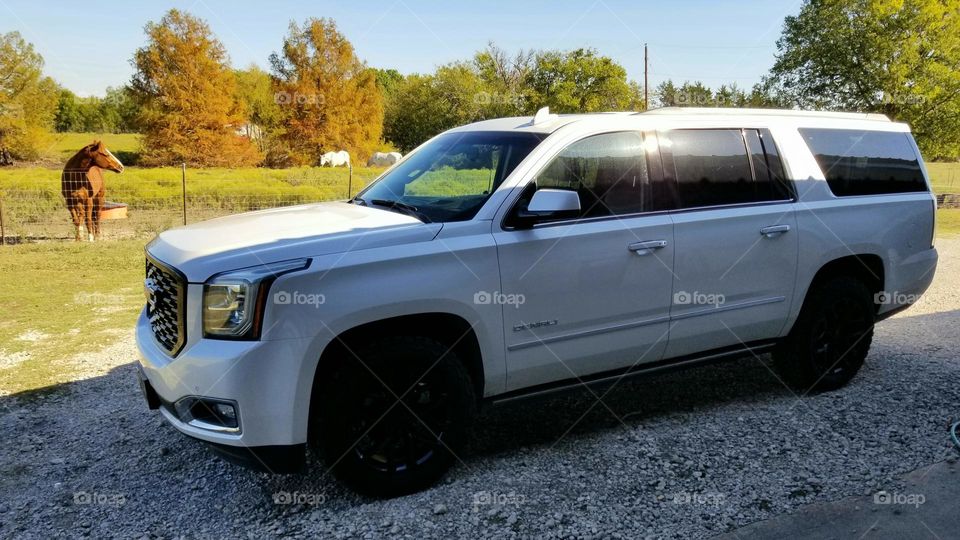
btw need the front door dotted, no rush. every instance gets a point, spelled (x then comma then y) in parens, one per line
(591, 294)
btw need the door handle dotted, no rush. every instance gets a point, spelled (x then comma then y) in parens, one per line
(647, 247)
(774, 230)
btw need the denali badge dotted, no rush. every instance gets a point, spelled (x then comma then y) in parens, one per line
(531, 326)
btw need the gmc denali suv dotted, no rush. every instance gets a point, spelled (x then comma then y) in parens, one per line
(520, 256)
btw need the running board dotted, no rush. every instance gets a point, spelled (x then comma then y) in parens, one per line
(612, 377)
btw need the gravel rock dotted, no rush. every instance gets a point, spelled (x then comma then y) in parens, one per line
(682, 455)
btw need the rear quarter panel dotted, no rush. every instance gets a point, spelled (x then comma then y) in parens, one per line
(895, 227)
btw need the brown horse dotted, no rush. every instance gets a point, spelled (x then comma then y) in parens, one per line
(83, 188)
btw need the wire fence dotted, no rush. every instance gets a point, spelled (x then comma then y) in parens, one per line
(32, 207)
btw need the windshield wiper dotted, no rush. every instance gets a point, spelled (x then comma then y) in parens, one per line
(397, 205)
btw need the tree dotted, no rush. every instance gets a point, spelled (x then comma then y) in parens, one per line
(425, 105)
(896, 57)
(696, 94)
(186, 92)
(387, 81)
(28, 99)
(582, 81)
(507, 81)
(68, 117)
(255, 92)
(329, 99)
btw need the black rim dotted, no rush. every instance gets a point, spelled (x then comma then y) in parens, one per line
(836, 334)
(395, 437)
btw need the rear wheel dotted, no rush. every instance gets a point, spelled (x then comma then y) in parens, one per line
(393, 418)
(831, 338)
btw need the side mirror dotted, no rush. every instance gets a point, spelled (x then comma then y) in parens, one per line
(549, 204)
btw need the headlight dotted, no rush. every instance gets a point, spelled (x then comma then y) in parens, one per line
(233, 302)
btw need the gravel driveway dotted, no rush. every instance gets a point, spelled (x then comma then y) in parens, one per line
(687, 454)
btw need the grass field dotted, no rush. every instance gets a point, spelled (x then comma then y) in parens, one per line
(63, 299)
(33, 205)
(123, 145)
(945, 177)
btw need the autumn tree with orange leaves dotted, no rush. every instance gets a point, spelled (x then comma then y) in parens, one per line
(186, 91)
(329, 98)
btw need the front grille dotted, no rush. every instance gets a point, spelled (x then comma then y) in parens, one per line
(166, 305)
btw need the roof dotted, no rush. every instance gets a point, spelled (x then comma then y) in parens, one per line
(544, 122)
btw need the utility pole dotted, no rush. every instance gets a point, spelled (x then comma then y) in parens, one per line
(646, 84)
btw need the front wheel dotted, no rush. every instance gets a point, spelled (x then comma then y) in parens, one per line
(394, 416)
(831, 338)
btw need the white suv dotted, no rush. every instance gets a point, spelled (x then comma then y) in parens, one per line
(519, 256)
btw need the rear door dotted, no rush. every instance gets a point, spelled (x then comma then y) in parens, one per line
(736, 239)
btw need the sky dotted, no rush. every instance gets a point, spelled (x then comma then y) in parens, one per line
(88, 44)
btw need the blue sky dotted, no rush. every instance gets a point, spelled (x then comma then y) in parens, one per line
(88, 44)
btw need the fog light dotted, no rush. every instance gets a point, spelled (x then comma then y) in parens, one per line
(227, 413)
(209, 414)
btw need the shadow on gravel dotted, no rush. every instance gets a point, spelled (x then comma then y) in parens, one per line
(89, 457)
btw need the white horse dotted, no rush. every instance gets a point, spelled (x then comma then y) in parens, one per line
(335, 159)
(383, 159)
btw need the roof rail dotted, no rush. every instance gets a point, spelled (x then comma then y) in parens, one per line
(722, 111)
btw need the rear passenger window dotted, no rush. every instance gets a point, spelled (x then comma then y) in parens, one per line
(858, 162)
(713, 168)
(608, 171)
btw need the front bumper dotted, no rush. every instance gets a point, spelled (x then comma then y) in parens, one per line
(270, 382)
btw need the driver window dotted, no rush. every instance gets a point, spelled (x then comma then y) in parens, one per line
(608, 172)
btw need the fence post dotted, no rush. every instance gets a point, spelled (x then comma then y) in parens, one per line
(3, 229)
(350, 180)
(183, 181)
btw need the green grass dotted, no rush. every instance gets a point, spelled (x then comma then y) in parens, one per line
(945, 177)
(123, 145)
(948, 222)
(33, 205)
(62, 299)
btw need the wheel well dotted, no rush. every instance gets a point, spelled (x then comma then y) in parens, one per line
(867, 268)
(451, 330)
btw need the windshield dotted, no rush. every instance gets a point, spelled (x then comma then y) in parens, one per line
(451, 177)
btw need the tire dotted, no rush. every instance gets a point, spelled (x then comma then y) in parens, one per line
(831, 337)
(381, 447)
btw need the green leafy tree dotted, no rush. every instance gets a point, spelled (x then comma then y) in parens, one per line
(119, 109)
(28, 99)
(582, 81)
(68, 116)
(425, 105)
(329, 98)
(696, 94)
(896, 57)
(186, 92)
(507, 81)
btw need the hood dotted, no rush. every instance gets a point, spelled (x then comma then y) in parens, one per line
(209, 247)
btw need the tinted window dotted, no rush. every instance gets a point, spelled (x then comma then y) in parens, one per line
(768, 174)
(712, 167)
(608, 171)
(865, 162)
